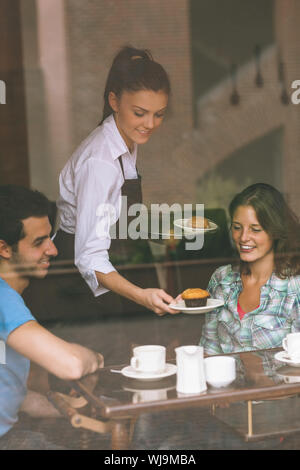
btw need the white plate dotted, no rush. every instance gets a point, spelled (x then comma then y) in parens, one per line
(282, 356)
(183, 224)
(211, 305)
(128, 371)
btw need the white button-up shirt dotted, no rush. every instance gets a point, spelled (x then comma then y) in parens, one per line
(93, 177)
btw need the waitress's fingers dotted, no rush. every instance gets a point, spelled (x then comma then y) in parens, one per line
(162, 308)
(159, 312)
(164, 296)
(158, 300)
(162, 303)
(168, 300)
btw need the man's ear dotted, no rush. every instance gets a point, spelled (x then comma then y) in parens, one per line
(5, 250)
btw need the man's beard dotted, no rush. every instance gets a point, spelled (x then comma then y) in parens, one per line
(27, 269)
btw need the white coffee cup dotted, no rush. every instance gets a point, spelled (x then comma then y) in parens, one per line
(220, 371)
(149, 359)
(291, 343)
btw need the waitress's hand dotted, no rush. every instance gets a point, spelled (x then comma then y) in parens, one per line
(158, 301)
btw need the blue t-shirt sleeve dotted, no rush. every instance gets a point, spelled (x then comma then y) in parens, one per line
(13, 312)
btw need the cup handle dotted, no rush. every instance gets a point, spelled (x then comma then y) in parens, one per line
(134, 362)
(284, 344)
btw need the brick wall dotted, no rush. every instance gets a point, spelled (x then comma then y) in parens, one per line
(96, 29)
(13, 128)
(177, 155)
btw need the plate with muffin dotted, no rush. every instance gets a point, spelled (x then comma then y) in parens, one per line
(196, 301)
(196, 224)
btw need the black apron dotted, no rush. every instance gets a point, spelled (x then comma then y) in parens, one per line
(132, 189)
(67, 295)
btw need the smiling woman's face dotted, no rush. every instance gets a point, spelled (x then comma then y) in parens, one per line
(252, 241)
(138, 114)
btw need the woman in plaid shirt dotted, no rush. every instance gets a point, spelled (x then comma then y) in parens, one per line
(262, 295)
(261, 305)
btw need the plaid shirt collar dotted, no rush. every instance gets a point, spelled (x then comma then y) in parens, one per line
(274, 282)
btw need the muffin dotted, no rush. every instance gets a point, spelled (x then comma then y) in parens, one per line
(198, 222)
(195, 297)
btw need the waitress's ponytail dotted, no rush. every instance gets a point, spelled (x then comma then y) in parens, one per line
(134, 70)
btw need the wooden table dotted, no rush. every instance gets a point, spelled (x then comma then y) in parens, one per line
(108, 402)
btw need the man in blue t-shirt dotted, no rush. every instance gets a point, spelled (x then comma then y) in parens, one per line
(25, 252)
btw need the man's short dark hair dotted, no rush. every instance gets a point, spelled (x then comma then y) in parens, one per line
(17, 204)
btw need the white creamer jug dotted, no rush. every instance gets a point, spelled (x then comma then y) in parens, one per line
(190, 369)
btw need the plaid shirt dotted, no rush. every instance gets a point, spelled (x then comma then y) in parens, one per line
(265, 327)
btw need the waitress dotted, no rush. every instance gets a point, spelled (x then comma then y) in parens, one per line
(103, 168)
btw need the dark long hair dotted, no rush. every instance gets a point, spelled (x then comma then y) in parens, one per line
(134, 70)
(279, 222)
(16, 204)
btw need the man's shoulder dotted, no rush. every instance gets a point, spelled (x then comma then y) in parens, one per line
(13, 311)
(8, 294)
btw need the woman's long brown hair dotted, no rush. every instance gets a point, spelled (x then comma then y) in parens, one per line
(280, 223)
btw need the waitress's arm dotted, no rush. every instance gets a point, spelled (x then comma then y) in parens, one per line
(153, 299)
(92, 245)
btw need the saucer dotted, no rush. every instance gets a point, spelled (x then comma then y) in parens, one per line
(211, 305)
(288, 375)
(130, 372)
(282, 356)
(183, 224)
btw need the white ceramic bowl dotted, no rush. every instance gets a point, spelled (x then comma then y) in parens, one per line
(220, 371)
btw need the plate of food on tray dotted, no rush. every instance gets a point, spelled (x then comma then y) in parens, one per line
(196, 225)
(195, 301)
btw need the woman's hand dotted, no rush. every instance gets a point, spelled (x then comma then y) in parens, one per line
(158, 301)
